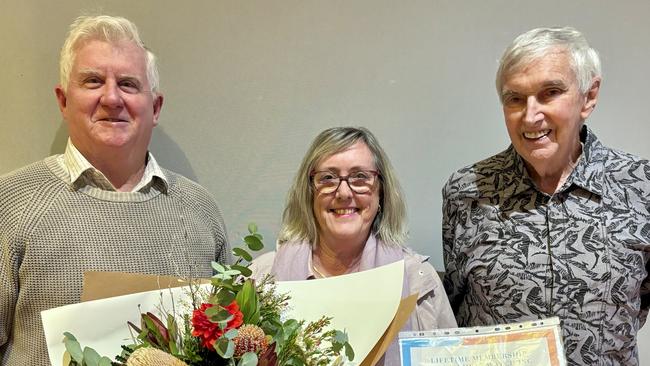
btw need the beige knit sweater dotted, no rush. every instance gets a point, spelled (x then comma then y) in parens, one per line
(51, 233)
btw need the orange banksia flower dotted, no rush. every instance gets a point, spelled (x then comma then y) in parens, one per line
(250, 338)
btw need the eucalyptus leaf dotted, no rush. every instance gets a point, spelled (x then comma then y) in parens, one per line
(74, 348)
(105, 361)
(226, 284)
(232, 272)
(248, 359)
(225, 347)
(241, 252)
(223, 297)
(69, 335)
(252, 228)
(222, 276)
(217, 314)
(91, 357)
(340, 337)
(231, 333)
(259, 236)
(349, 352)
(253, 242)
(245, 271)
(218, 267)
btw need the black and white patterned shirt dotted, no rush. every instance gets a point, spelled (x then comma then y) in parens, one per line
(513, 253)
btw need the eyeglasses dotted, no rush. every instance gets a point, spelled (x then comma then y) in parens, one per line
(360, 182)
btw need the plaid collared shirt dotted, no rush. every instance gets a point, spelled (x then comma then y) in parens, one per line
(83, 174)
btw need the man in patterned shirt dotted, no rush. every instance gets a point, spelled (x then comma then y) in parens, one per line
(557, 224)
(103, 205)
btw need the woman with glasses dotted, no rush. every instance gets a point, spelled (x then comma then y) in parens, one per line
(345, 213)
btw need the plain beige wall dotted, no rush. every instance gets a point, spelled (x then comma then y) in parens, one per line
(248, 84)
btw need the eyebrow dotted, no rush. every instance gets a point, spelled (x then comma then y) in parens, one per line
(89, 72)
(508, 93)
(83, 73)
(554, 84)
(547, 84)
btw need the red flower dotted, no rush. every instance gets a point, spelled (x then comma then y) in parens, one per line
(208, 331)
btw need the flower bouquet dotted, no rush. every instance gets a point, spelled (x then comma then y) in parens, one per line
(235, 321)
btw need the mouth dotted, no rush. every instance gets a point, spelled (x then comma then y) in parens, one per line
(344, 211)
(536, 135)
(111, 120)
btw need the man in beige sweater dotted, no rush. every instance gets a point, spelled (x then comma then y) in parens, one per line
(103, 205)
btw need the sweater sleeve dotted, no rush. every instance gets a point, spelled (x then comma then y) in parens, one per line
(8, 286)
(222, 250)
(10, 258)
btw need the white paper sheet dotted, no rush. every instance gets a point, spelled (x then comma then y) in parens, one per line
(362, 303)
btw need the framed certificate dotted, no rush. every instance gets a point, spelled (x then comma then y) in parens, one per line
(536, 343)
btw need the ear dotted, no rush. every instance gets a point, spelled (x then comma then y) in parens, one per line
(157, 106)
(61, 98)
(590, 98)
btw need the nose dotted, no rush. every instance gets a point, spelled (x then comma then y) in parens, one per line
(344, 191)
(111, 96)
(533, 111)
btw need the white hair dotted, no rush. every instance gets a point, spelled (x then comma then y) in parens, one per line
(537, 43)
(105, 28)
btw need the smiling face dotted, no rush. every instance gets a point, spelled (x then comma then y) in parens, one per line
(345, 217)
(544, 112)
(108, 104)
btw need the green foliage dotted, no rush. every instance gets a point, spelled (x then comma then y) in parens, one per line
(239, 252)
(292, 342)
(87, 357)
(272, 305)
(173, 334)
(229, 279)
(248, 359)
(253, 242)
(248, 303)
(300, 344)
(225, 347)
(73, 347)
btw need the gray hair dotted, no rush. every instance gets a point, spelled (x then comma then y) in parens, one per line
(539, 42)
(104, 28)
(298, 221)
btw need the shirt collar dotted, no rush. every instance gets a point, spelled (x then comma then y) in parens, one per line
(83, 173)
(588, 173)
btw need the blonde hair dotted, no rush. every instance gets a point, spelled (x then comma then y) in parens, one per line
(108, 29)
(298, 221)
